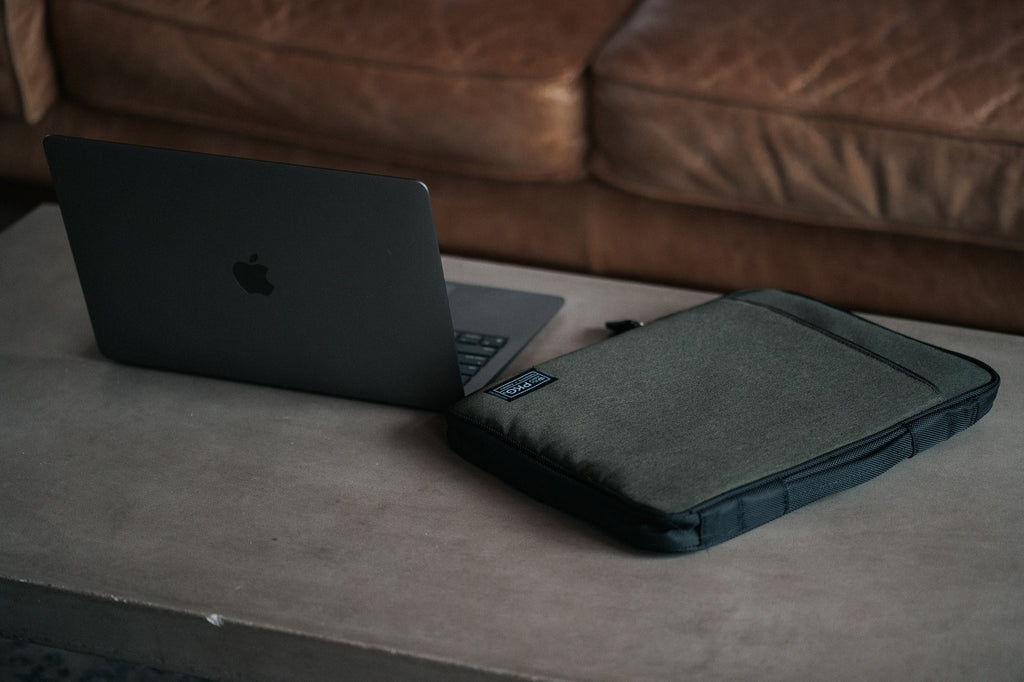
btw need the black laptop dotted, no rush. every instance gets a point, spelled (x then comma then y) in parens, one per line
(305, 278)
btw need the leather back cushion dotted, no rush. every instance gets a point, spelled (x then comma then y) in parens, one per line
(492, 88)
(896, 114)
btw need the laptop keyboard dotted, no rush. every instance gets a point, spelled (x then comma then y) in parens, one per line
(475, 350)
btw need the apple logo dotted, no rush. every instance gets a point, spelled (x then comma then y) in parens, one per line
(252, 276)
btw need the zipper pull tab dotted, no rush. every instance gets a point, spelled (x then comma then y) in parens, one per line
(620, 326)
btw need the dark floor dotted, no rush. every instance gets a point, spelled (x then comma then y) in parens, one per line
(24, 662)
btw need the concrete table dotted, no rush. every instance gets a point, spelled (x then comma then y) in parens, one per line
(249, 533)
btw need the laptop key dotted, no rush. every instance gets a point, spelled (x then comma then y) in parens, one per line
(474, 339)
(493, 341)
(475, 350)
(477, 360)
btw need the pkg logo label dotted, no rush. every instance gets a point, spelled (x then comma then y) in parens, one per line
(526, 382)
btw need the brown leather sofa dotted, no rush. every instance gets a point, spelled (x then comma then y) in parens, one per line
(868, 153)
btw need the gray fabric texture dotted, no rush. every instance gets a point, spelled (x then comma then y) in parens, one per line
(721, 395)
(948, 372)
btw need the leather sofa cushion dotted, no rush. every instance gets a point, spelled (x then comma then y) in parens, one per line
(896, 114)
(493, 88)
(28, 83)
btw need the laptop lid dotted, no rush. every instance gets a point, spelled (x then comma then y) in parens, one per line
(306, 278)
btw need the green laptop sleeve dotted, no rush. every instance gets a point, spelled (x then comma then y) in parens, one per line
(704, 424)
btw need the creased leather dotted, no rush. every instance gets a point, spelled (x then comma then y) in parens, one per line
(28, 82)
(516, 38)
(493, 89)
(877, 113)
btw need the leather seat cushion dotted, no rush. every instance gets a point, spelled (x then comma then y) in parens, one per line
(895, 114)
(492, 88)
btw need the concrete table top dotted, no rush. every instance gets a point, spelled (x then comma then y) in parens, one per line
(250, 533)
